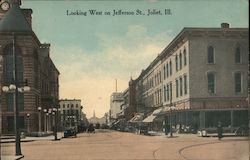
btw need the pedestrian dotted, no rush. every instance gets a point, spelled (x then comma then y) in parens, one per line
(219, 130)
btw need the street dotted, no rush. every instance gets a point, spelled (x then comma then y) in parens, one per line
(112, 145)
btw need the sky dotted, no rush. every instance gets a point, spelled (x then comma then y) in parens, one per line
(92, 51)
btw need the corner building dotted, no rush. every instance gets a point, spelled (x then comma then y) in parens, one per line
(201, 78)
(33, 64)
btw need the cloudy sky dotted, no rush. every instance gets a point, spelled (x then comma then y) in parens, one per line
(92, 51)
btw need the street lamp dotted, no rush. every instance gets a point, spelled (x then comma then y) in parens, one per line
(39, 119)
(14, 88)
(45, 120)
(28, 123)
(55, 126)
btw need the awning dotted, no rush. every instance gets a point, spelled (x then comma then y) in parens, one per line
(149, 119)
(116, 122)
(136, 118)
(158, 111)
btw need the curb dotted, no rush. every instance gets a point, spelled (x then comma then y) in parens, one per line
(15, 141)
(20, 157)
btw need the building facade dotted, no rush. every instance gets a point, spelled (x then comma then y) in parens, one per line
(33, 65)
(116, 102)
(199, 79)
(71, 113)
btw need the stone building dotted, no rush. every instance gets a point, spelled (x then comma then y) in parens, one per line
(116, 101)
(199, 79)
(71, 112)
(34, 65)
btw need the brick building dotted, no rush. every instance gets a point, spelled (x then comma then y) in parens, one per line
(33, 65)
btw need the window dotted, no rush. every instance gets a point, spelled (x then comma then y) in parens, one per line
(181, 87)
(164, 72)
(8, 64)
(211, 82)
(67, 105)
(185, 57)
(167, 70)
(210, 55)
(185, 84)
(8, 75)
(177, 88)
(176, 63)
(167, 92)
(170, 68)
(237, 82)
(76, 105)
(63, 105)
(238, 55)
(170, 91)
(180, 59)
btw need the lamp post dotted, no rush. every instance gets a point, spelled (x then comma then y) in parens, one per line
(28, 123)
(45, 120)
(39, 119)
(14, 88)
(55, 126)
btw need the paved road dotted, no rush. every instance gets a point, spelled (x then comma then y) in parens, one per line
(110, 145)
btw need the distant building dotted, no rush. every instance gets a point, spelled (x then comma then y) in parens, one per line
(71, 112)
(116, 101)
(95, 120)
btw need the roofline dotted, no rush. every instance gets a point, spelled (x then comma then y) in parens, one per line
(179, 36)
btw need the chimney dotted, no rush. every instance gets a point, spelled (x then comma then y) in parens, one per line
(224, 25)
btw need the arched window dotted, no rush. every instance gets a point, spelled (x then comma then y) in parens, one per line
(238, 55)
(185, 57)
(167, 70)
(211, 82)
(9, 65)
(164, 72)
(170, 68)
(176, 63)
(180, 59)
(210, 55)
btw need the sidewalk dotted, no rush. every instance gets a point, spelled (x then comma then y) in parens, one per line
(29, 139)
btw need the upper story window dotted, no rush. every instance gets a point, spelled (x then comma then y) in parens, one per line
(185, 84)
(211, 82)
(167, 70)
(238, 82)
(180, 59)
(176, 63)
(185, 57)
(8, 75)
(181, 91)
(210, 55)
(164, 72)
(238, 58)
(170, 68)
(177, 87)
